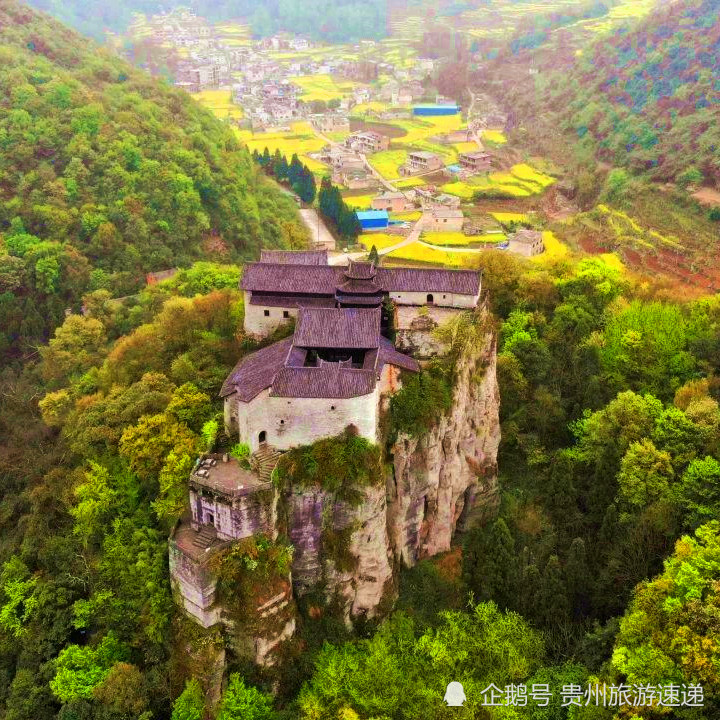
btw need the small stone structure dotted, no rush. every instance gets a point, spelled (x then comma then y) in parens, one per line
(526, 242)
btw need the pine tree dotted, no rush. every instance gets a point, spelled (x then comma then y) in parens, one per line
(265, 157)
(490, 565)
(295, 170)
(552, 602)
(577, 579)
(373, 256)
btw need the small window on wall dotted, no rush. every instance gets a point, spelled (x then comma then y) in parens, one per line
(262, 437)
(266, 313)
(430, 298)
(286, 313)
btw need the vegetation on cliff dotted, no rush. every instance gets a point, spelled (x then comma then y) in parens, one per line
(342, 466)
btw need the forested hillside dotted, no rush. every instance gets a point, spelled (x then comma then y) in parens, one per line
(649, 99)
(107, 174)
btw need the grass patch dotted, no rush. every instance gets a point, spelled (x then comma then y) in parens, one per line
(508, 217)
(494, 136)
(409, 182)
(388, 162)
(359, 202)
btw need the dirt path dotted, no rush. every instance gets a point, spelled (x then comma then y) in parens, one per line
(318, 230)
(708, 196)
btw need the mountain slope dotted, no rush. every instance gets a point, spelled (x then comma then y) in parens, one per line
(649, 99)
(106, 174)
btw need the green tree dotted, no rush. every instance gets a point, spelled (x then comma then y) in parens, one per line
(645, 474)
(244, 701)
(79, 670)
(190, 704)
(698, 492)
(667, 633)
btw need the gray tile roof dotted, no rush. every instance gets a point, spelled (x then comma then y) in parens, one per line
(337, 328)
(287, 279)
(280, 366)
(255, 372)
(295, 257)
(405, 279)
(329, 380)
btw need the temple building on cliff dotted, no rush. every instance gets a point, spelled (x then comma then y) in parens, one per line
(337, 368)
(357, 329)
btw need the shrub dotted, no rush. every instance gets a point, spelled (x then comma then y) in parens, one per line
(342, 465)
(423, 397)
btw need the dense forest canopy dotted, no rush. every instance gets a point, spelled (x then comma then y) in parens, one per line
(649, 98)
(108, 174)
(330, 20)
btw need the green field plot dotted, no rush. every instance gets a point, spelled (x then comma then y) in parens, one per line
(388, 162)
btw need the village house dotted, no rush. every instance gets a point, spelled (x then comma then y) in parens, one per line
(354, 179)
(421, 161)
(526, 242)
(330, 123)
(476, 162)
(368, 142)
(444, 220)
(390, 201)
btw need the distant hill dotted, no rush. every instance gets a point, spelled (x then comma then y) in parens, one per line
(106, 174)
(649, 99)
(330, 20)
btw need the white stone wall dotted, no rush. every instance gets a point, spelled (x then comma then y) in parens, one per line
(439, 298)
(443, 224)
(290, 422)
(258, 323)
(246, 516)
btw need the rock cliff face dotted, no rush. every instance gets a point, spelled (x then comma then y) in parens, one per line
(446, 480)
(347, 549)
(341, 549)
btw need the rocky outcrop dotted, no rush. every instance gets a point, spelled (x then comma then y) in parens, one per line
(342, 549)
(446, 479)
(348, 545)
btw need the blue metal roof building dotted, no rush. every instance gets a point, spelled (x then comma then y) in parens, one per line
(373, 219)
(436, 110)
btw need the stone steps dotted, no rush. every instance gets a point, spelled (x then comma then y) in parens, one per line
(205, 537)
(264, 461)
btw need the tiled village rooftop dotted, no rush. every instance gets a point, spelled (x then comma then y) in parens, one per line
(283, 367)
(302, 279)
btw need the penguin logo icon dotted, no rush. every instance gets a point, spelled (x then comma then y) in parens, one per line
(454, 695)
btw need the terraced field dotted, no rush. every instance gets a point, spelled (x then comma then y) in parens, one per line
(322, 87)
(521, 181)
(221, 104)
